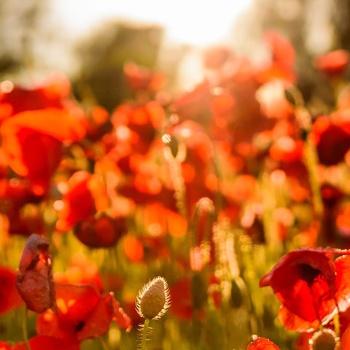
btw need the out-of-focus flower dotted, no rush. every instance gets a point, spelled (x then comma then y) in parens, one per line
(141, 78)
(86, 195)
(9, 296)
(316, 287)
(332, 140)
(16, 197)
(333, 63)
(136, 127)
(50, 93)
(262, 344)
(4, 346)
(272, 99)
(32, 141)
(215, 57)
(102, 231)
(180, 293)
(194, 104)
(281, 65)
(83, 313)
(160, 220)
(34, 279)
(287, 149)
(41, 342)
(80, 271)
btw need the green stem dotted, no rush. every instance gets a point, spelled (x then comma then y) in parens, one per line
(103, 343)
(24, 328)
(311, 161)
(144, 334)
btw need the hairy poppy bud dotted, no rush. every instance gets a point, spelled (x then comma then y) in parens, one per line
(324, 340)
(34, 278)
(153, 300)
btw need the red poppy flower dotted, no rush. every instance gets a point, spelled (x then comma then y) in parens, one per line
(34, 279)
(194, 104)
(41, 342)
(287, 149)
(272, 99)
(262, 344)
(80, 271)
(15, 194)
(83, 313)
(141, 78)
(136, 127)
(159, 220)
(9, 296)
(345, 339)
(310, 286)
(98, 124)
(282, 59)
(100, 232)
(181, 299)
(4, 346)
(47, 94)
(85, 196)
(32, 140)
(333, 63)
(216, 56)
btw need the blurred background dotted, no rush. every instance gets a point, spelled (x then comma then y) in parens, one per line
(90, 40)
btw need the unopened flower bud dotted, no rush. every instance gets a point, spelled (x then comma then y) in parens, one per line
(324, 340)
(153, 300)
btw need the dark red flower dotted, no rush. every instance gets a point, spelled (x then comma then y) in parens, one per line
(9, 296)
(332, 140)
(83, 313)
(262, 344)
(310, 286)
(34, 279)
(100, 232)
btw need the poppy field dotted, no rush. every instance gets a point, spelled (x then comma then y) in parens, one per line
(212, 218)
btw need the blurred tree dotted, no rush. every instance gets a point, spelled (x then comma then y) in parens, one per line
(104, 53)
(20, 27)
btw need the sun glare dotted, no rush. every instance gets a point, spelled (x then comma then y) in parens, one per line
(186, 21)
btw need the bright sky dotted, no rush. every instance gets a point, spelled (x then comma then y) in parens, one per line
(196, 22)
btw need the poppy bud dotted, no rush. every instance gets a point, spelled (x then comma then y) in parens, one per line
(153, 300)
(324, 340)
(34, 278)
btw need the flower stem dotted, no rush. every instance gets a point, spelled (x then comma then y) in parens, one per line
(144, 334)
(103, 343)
(24, 329)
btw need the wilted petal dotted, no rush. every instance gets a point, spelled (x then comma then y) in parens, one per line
(34, 279)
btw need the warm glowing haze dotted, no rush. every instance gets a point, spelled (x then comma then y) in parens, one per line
(186, 21)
